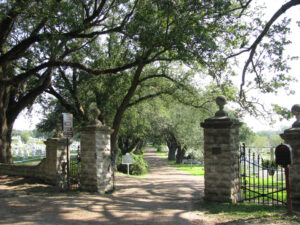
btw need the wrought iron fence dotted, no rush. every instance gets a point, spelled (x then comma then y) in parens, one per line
(261, 180)
(75, 168)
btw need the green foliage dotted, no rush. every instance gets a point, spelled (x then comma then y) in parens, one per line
(283, 112)
(260, 141)
(24, 134)
(268, 164)
(140, 166)
(24, 137)
(53, 115)
(246, 135)
(267, 138)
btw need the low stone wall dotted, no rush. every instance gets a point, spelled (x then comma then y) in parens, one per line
(34, 171)
(50, 169)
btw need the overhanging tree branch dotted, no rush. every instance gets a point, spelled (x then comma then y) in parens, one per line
(25, 75)
(258, 40)
(29, 98)
(144, 98)
(69, 107)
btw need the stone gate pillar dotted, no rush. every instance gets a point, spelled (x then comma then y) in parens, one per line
(292, 137)
(55, 164)
(96, 170)
(221, 156)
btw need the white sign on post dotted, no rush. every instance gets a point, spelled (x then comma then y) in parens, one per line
(68, 124)
(127, 159)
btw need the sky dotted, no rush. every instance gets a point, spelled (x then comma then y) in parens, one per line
(25, 122)
(294, 50)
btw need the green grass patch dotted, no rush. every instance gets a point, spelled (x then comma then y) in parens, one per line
(255, 188)
(248, 213)
(162, 154)
(29, 162)
(194, 169)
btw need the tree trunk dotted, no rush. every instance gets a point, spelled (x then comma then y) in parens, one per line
(172, 145)
(10, 109)
(172, 150)
(120, 113)
(180, 155)
(5, 144)
(5, 126)
(128, 144)
(139, 148)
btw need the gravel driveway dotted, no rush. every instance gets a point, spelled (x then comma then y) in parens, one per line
(164, 196)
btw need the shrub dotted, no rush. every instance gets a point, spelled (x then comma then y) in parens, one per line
(140, 165)
(267, 163)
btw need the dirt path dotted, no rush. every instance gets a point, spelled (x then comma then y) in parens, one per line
(165, 196)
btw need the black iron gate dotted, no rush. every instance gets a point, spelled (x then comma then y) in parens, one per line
(75, 168)
(261, 180)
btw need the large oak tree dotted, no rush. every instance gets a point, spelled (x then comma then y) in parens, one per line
(159, 36)
(38, 36)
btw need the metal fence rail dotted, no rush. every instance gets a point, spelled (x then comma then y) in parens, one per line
(261, 182)
(75, 168)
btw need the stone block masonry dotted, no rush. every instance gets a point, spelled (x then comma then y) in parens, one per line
(96, 170)
(292, 137)
(51, 169)
(221, 156)
(56, 162)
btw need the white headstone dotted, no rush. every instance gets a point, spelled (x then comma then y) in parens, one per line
(25, 154)
(33, 153)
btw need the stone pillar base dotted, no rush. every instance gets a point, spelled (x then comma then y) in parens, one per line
(221, 157)
(292, 137)
(96, 171)
(56, 162)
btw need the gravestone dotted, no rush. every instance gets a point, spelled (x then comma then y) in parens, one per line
(39, 153)
(25, 154)
(33, 153)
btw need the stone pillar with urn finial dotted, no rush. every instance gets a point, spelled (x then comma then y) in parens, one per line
(96, 170)
(292, 137)
(221, 156)
(56, 159)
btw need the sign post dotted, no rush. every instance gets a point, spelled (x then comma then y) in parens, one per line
(127, 159)
(68, 132)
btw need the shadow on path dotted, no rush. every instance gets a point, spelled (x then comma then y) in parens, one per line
(165, 196)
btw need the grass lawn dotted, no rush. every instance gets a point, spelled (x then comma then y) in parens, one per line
(194, 169)
(260, 187)
(247, 213)
(29, 162)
